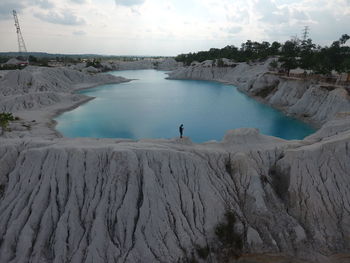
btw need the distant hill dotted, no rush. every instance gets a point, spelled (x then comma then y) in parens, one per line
(49, 55)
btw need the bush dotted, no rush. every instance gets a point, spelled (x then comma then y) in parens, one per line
(225, 246)
(188, 258)
(5, 118)
(203, 252)
(94, 63)
(220, 63)
(280, 182)
(10, 67)
(273, 64)
(231, 241)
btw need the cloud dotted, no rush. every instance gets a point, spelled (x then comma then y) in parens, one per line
(300, 15)
(282, 16)
(78, 1)
(6, 7)
(129, 2)
(324, 31)
(79, 33)
(269, 12)
(234, 30)
(265, 7)
(44, 4)
(242, 16)
(65, 17)
(135, 11)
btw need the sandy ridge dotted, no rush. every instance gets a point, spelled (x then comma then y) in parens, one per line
(112, 200)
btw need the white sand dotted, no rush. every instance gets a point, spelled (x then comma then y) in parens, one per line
(113, 200)
(38, 94)
(305, 100)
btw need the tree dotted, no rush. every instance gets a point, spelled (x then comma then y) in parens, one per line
(230, 240)
(5, 118)
(306, 54)
(273, 64)
(32, 59)
(274, 48)
(293, 53)
(344, 38)
(220, 63)
(262, 49)
(289, 56)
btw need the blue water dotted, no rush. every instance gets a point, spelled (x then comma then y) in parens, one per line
(154, 107)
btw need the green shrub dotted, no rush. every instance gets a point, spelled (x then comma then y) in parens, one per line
(273, 64)
(231, 241)
(5, 118)
(227, 245)
(220, 63)
(203, 252)
(94, 63)
(10, 67)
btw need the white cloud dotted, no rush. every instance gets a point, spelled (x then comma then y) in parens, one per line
(6, 7)
(79, 33)
(234, 30)
(299, 15)
(63, 17)
(129, 2)
(135, 10)
(168, 27)
(44, 4)
(78, 1)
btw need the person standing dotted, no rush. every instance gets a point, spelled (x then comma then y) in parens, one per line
(181, 130)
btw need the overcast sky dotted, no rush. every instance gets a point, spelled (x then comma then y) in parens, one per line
(166, 27)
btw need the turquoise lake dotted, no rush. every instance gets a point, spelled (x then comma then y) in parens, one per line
(154, 107)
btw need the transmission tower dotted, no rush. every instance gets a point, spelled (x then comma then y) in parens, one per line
(306, 33)
(21, 45)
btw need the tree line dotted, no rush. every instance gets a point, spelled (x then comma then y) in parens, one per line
(291, 54)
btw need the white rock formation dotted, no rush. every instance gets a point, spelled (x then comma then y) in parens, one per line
(78, 66)
(168, 64)
(160, 64)
(89, 200)
(42, 79)
(106, 200)
(235, 73)
(91, 69)
(38, 93)
(13, 61)
(316, 103)
(165, 64)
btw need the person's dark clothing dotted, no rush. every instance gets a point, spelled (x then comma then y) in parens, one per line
(181, 130)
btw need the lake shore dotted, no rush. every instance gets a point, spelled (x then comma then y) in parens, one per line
(208, 110)
(149, 199)
(37, 95)
(308, 101)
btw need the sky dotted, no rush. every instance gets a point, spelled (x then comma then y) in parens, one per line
(165, 27)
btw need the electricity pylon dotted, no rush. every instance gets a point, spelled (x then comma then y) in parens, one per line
(21, 45)
(305, 33)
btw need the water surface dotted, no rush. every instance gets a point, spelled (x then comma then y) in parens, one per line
(154, 107)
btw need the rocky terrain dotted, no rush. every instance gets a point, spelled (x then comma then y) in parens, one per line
(165, 64)
(37, 94)
(111, 200)
(313, 102)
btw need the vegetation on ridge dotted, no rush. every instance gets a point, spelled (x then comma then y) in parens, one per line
(292, 54)
(5, 119)
(227, 245)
